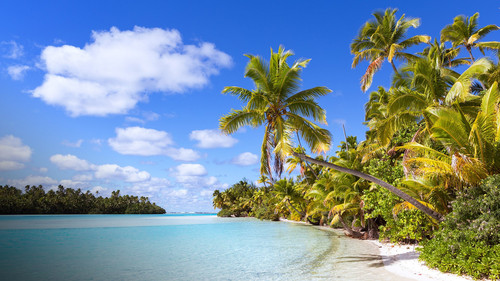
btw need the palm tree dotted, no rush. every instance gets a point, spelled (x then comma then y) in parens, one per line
(465, 32)
(275, 104)
(472, 142)
(218, 200)
(286, 191)
(384, 38)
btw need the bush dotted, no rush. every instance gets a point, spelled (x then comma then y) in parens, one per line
(408, 225)
(468, 241)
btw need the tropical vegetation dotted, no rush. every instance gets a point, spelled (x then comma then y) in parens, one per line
(35, 200)
(428, 171)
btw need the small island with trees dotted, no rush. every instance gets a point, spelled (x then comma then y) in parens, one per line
(429, 169)
(35, 200)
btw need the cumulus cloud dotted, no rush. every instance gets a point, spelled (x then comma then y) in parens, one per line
(190, 170)
(148, 142)
(13, 153)
(71, 162)
(128, 173)
(193, 175)
(32, 180)
(105, 171)
(17, 72)
(212, 139)
(245, 159)
(115, 71)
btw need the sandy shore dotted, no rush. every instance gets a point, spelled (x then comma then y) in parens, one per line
(403, 261)
(400, 260)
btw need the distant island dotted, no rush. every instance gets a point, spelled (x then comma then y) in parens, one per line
(35, 200)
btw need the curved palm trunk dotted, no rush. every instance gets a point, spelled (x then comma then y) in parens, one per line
(295, 209)
(302, 214)
(469, 49)
(394, 68)
(349, 230)
(380, 182)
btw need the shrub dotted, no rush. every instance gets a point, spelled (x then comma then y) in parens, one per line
(468, 241)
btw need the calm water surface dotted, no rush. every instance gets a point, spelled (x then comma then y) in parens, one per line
(175, 247)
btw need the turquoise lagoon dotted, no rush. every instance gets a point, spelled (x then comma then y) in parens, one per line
(178, 247)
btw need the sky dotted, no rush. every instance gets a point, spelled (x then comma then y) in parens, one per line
(107, 95)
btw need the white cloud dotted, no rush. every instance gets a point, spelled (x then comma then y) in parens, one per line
(32, 180)
(132, 119)
(83, 177)
(17, 72)
(140, 141)
(212, 139)
(128, 173)
(78, 143)
(11, 50)
(105, 171)
(148, 142)
(178, 193)
(115, 71)
(74, 184)
(206, 192)
(193, 175)
(71, 162)
(152, 185)
(43, 170)
(151, 116)
(245, 159)
(13, 153)
(98, 189)
(183, 154)
(190, 170)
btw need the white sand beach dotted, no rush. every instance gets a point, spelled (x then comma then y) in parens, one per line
(403, 261)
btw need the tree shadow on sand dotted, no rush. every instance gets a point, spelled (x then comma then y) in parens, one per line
(371, 260)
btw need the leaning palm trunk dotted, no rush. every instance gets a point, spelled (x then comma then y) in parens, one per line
(349, 230)
(373, 179)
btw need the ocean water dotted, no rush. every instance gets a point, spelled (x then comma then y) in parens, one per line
(176, 247)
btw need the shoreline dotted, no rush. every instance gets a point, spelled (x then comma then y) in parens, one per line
(401, 260)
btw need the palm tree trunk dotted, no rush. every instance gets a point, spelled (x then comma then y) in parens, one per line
(307, 164)
(469, 49)
(394, 68)
(380, 182)
(349, 230)
(300, 213)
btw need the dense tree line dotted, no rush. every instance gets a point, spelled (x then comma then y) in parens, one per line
(427, 172)
(35, 200)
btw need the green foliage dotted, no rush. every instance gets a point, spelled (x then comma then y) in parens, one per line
(70, 201)
(407, 225)
(468, 241)
(235, 201)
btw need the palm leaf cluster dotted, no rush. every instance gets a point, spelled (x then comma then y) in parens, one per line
(278, 104)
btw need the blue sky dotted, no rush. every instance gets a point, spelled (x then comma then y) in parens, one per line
(106, 95)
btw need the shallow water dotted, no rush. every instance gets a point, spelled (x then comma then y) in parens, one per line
(175, 247)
